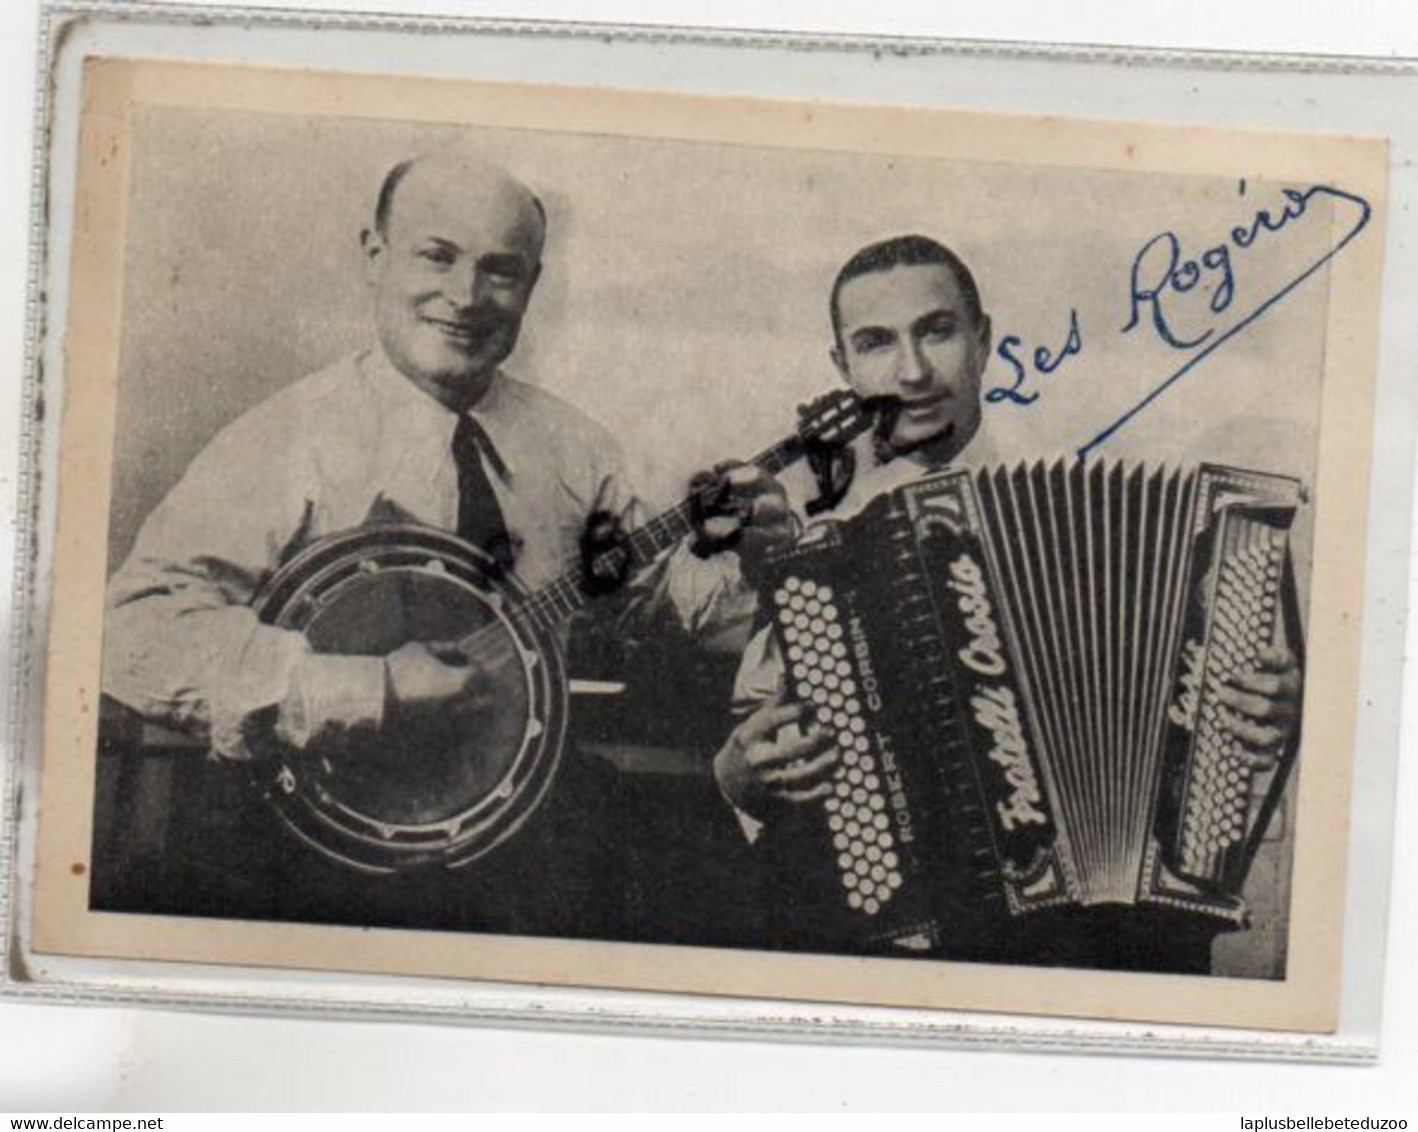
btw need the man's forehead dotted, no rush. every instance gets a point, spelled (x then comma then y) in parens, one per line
(466, 207)
(899, 294)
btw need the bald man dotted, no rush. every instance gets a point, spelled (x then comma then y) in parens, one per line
(426, 427)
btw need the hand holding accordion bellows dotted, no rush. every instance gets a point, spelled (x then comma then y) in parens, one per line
(1265, 707)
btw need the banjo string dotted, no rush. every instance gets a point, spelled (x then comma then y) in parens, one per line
(568, 594)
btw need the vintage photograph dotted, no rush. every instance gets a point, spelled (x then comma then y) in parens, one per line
(521, 523)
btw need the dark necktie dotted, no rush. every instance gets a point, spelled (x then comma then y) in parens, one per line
(480, 520)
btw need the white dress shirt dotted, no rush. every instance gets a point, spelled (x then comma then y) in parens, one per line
(351, 442)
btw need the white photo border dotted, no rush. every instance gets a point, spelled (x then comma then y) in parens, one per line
(305, 36)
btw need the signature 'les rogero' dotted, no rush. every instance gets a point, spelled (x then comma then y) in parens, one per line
(1160, 271)
(1161, 277)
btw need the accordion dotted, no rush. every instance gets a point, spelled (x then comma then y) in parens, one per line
(1020, 668)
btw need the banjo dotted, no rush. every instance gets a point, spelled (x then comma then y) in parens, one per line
(450, 791)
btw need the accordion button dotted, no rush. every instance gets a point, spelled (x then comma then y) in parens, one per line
(894, 879)
(791, 582)
(809, 587)
(870, 906)
(849, 880)
(882, 824)
(825, 593)
(834, 823)
(834, 633)
(854, 899)
(871, 782)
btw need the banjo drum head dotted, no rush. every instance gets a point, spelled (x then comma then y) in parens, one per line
(444, 788)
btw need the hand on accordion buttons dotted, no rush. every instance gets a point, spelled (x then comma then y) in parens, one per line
(1265, 707)
(464, 676)
(740, 506)
(771, 758)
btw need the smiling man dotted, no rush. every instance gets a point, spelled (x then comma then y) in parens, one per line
(908, 325)
(425, 427)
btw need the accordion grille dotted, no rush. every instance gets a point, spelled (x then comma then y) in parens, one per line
(1092, 561)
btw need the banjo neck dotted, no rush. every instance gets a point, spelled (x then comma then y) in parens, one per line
(559, 600)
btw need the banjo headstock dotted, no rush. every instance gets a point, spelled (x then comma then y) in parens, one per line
(834, 419)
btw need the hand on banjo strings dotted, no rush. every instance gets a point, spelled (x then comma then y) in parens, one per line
(740, 507)
(772, 757)
(460, 676)
(1264, 707)
(606, 558)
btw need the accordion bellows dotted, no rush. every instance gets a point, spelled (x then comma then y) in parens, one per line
(1020, 666)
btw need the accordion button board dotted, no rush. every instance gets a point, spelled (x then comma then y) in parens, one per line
(868, 863)
(1021, 669)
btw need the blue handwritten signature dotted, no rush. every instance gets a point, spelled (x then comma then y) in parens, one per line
(1161, 273)
(1045, 361)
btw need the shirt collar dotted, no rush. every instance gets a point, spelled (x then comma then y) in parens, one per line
(402, 404)
(408, 413)
(416, 430)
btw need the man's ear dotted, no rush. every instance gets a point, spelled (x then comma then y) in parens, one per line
(839, 363)
(373, 245)
(984, 339)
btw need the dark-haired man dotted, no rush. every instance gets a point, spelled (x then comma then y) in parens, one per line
(425, 427)
(908, 324)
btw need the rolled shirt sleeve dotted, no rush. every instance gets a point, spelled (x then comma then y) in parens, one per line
(182, 645)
